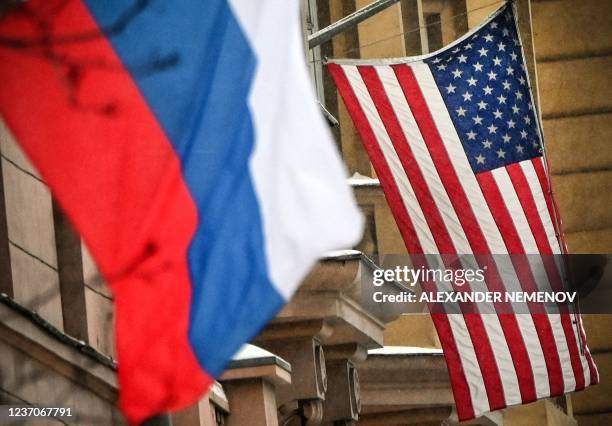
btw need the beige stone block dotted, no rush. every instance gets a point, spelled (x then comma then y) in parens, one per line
(100, 322)
(415, 37)
(598, 332)
(189, 416)
(453, 18)
(36, 286)
(584, 200)
(91, 273)
(412, 330)
(380, 36)
(596, 399)
(599, 419)
(29, 213)
(576, 144)
(12, 151)
(556, 416)
(540, 413)
(353, 152)
(575, 86)
(571, 27)
(345, 45)
(598, 241)
(388, 238)
(251, 402)
(387, 234)
(31, 381)
(479, 10)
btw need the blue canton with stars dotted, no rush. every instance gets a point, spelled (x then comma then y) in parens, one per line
(484, 84)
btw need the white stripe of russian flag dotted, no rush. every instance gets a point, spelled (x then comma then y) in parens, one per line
(306, 205)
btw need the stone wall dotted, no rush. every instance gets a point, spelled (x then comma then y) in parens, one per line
(573, 43)
(573, 46)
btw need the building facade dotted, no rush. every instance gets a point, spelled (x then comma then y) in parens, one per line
(329, 357)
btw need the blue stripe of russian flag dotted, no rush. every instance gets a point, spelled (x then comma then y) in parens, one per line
(201, 103)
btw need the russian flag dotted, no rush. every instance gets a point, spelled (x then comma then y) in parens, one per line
(183, 140)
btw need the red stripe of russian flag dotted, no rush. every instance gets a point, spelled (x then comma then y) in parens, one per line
(96, 143)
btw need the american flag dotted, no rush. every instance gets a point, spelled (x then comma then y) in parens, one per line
(455, 140)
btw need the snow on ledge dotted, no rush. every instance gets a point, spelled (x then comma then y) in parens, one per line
(404, 350)
(248, 351)
(361, 180)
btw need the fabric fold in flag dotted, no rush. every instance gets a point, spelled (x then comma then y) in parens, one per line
(455, 140)
(184, 142)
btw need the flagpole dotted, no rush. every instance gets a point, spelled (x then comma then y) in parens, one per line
(347, 22)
